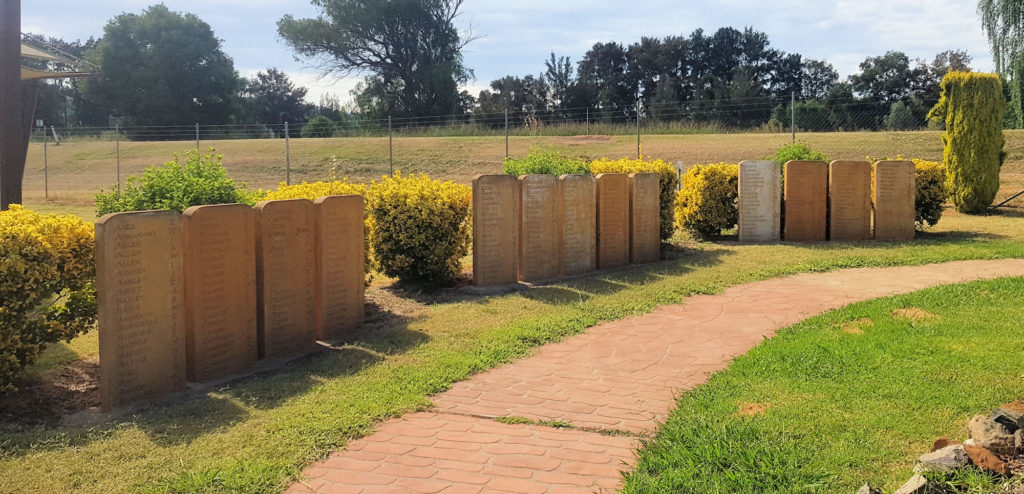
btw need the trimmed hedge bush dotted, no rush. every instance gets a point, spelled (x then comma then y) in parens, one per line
(931, 192)
(419, 228)
(707, 203)
(972, 106)
(798, 151)
(47, 294)
(549, 162)
(194, 179)
(669, 184)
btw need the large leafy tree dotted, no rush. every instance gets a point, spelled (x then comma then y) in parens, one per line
(409, 50)
(1003, 23)
(272, 98)
(162, 68)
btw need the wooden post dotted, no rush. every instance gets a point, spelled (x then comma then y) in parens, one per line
(12, 149)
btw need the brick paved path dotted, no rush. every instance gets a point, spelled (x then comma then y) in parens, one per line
(613, 384)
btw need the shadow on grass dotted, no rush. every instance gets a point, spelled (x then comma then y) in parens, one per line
(675, 261)
(211, 408)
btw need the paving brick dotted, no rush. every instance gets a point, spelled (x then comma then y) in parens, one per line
(623, 375)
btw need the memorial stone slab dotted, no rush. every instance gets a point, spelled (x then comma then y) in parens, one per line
(849, 191)
(894, 200)
(645, 217)
(286, 277)
(495, 231)
(579, 224)
(341, 267)
(140, 296)
(760, 201)
(806, 191)
(539, 242)
(612, 220)
(220, 290)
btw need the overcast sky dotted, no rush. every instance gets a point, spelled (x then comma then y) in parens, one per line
(519, 34)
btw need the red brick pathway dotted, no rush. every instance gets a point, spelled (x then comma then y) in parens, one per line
(613, 384)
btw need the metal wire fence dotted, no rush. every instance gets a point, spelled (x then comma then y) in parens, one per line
(76, 162)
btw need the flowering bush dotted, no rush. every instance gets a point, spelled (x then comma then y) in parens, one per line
(419, 228)
(707, 203)
(931, 192)
(177, 185)
(669, 183)
(47, 294)
(798, 151)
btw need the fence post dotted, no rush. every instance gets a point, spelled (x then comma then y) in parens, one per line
(588, 122)
(287, 155)
(117, 152)
(391, 147)
(792, 114)
(639, 155)
(46, 168)
(506, 133)
(197, 136)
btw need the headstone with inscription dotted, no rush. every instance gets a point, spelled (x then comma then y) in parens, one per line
(140, 296)
(539, 242)
(220, 290)
(286, 277)
(495, 232)
(612, 220)
(760, 201)
(806, 191)
(894, 200)
(645, 217)
(578, 224)
(849, 192)
(340, 265)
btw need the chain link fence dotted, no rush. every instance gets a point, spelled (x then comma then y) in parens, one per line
(74, 163)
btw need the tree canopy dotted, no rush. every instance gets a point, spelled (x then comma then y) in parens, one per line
(162, 68)
(409, 51)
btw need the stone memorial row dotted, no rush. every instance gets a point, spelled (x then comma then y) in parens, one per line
(203, 295)
(823, 201)
(540, 228)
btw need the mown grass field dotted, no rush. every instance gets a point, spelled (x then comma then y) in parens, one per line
(849, 397)
(256, 434)
(78, 170)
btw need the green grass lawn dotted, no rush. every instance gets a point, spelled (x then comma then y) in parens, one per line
(256, 434)
(849, 397)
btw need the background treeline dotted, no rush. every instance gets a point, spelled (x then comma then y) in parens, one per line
(161, 71)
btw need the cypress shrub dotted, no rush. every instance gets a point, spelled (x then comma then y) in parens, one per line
(972, 106)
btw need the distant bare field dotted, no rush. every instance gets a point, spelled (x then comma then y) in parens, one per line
(78, 170)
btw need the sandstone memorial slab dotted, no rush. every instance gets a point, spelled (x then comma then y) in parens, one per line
(578, 224)
(760, 201)
(644, 217)
(495, 230)
(340, 265)
(849, 192)
(140, 291)
(539, 242)
(806, 191)
(894, 200)
(612, 220)
(286, 277)
(220, 290)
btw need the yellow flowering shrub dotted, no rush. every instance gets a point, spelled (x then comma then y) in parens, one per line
(419, 228)
(316, 190)
(669, 183)
(47, 294)
(931, 192)
(707, 203)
